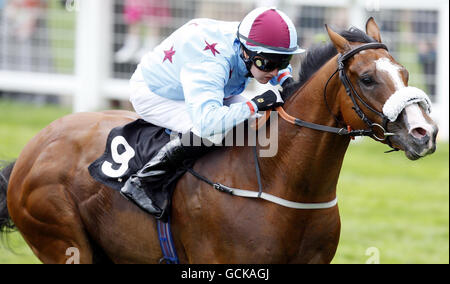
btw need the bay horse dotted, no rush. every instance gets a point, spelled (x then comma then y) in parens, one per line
(57, 205)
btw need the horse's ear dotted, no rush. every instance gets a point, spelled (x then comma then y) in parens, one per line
(373, 30)
(342, 45)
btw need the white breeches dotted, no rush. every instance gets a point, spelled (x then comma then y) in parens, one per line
(163, 112)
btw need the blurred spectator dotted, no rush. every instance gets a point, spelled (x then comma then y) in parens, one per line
(138, 14)
(427, 57)
(23, 16)
(24, 40)
(425, 28)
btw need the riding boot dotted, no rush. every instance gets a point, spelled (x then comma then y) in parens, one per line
(167, 160)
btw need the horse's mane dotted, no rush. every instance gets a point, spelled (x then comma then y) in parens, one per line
(319, 54)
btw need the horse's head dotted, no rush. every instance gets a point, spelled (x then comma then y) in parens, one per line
(376, 86)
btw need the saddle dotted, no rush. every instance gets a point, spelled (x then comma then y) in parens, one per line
(128, 148)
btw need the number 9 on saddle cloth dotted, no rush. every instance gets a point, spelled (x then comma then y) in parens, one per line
(128, 148)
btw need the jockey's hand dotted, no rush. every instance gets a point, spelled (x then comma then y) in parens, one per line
(287, 82)
(268, 100)
(282, 76)
(289, 87)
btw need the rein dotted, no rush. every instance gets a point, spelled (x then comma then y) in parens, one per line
(324, 128)
(354, 96)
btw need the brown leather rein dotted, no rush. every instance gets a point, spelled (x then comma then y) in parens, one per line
(260, 122)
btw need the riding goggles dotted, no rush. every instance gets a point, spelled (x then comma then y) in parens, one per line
(267, 65)
(268, 62)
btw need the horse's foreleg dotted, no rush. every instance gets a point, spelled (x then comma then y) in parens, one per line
(50, 223)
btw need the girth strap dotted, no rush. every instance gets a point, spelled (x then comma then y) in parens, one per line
(166, 242)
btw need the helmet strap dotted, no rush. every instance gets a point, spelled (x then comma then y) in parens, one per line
(248, 62)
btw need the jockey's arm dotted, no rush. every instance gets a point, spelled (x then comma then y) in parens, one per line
(203, 85)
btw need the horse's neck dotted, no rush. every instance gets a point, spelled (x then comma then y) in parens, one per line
(308, 162)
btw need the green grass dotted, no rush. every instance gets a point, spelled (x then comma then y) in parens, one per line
(386, 201)
(399, 206)
(19, 122)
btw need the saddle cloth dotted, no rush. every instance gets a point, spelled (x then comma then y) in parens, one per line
(128, 149)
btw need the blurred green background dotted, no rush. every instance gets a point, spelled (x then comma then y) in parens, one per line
(386, 202)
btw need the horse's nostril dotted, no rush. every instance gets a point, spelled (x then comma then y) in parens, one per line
(418, 132)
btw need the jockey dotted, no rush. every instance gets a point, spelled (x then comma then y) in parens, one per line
(191, 82)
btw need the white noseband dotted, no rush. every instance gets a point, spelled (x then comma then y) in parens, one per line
(403, 98)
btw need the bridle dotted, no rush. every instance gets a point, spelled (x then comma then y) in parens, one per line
(354, 96)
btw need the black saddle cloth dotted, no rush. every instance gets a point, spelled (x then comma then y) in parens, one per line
(128, 149)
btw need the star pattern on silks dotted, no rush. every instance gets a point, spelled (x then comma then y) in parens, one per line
(211, 47)
(168, 54)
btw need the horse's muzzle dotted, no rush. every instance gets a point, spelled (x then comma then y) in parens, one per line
(415, 132)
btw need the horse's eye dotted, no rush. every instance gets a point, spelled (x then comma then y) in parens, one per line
(367, 80)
